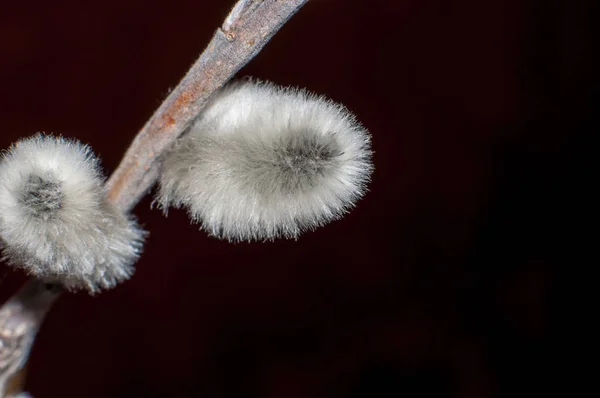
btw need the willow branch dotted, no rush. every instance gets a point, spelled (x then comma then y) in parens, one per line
(20, 319)
(248, 27)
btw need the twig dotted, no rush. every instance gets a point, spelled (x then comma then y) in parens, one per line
(248, 27)
(20, 319)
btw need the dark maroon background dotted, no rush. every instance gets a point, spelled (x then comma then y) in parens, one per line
(450, 277)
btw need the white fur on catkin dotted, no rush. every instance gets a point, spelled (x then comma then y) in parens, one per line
(262, 162)
(55, 222)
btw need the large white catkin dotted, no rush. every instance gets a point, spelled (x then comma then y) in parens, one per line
(55, 222)
(263, 161)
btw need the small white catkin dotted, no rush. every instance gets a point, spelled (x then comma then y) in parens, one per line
(55, 222)
(262, 161)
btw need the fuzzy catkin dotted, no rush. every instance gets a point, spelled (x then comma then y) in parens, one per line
(55, 222)
(263, 161)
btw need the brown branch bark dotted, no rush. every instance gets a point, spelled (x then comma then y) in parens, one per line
(248, 27)
(20, 319)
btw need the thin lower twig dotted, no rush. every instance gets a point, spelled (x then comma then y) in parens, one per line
(248, 27)
(20, 319)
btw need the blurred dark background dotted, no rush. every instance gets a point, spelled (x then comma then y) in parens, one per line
(450, 278)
